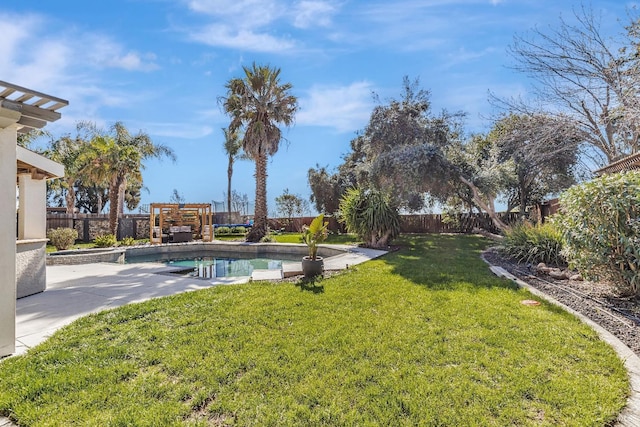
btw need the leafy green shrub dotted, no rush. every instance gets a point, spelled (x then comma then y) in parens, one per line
(128, 241)
(105, 241)
(534, 243)
(268, 238)
(370, 215)
(62, 238)
(223, 230)
(314, 234)
(239, 230)
(600, 223)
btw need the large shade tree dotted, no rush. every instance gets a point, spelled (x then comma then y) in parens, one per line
(416, 156)
(542, 153)
(258, 103)
(68, 150)
(326, 189)
(591, 78)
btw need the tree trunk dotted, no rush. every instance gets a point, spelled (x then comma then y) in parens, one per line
(114, 195)
(229, 174)
(70, 197)
(259, 229)
(486, 205)
(122, 188)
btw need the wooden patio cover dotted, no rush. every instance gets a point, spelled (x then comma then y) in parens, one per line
(198, 215)
(36, 108)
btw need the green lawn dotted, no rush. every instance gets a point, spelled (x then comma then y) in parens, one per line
(423, 336)
(297, 238)
(331, 238)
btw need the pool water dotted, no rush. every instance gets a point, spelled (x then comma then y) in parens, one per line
(208, 267)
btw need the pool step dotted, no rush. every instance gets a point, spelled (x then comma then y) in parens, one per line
(266, 274)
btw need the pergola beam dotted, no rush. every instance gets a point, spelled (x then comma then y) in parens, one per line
(36, 108)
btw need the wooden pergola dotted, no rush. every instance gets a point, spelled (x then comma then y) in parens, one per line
(171, 218)
(35, 108)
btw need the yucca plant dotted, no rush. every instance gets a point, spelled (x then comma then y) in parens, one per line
(371, 216)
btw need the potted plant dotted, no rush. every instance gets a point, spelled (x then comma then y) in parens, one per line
(312, 235)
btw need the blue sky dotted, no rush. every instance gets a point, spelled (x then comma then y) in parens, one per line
(160, 65)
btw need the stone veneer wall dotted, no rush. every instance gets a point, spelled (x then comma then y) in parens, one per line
(31, 273)
(86, 256)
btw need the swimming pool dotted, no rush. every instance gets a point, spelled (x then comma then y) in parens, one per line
(206, 266)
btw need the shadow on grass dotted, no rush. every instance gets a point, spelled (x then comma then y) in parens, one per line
(312, 284)
(445, 262)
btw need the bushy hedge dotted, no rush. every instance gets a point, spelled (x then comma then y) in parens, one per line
(230, 230)
(62, 238)
(534, 243)
(600, 222)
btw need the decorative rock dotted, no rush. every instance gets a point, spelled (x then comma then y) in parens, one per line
(577, 277)
(556, 273)
(541, 266)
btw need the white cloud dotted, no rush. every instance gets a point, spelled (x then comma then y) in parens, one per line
(105, 52)
(309, 13)
(345, 108)
(257, 25)
(69, 64)
(241, 13)
(222, 35)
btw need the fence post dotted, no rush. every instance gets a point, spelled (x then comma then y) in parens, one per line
(85, 230)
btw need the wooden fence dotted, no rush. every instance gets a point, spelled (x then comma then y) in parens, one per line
(137, 225)
(426, 223)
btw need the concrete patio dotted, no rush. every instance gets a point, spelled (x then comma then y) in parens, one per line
(74, 291)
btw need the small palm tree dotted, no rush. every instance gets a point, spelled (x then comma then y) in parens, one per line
(232, 146)
(258, 103)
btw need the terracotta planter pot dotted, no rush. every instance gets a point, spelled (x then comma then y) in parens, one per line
(312, 268)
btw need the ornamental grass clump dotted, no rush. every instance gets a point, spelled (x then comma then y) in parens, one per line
(600, 223)
(534, 244)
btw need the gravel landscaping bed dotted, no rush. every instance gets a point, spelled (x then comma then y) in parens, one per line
(598, 301)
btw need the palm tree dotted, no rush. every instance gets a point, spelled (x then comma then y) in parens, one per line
(232, 146)
(68, 151)
(146, 148)
(115, 159)
(258, 103)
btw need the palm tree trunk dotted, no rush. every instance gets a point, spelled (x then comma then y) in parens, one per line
(122, 188)
(70, 197)
(229, 174)
(260, 226)
(114, 195)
